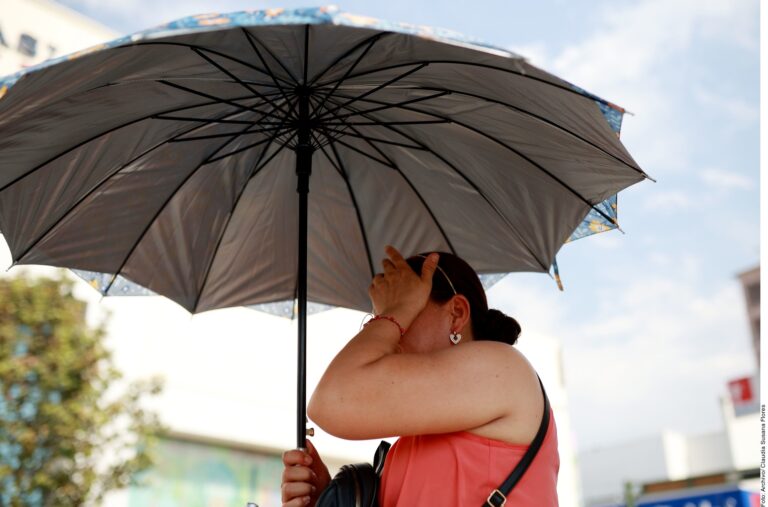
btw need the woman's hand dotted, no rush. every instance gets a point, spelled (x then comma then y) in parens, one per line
(304, 478)
(399, 291)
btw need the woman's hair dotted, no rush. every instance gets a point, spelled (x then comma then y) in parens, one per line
(486, 324)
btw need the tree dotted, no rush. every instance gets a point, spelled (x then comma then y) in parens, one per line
(66, 438)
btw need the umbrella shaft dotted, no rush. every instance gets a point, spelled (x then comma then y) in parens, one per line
(303, 170)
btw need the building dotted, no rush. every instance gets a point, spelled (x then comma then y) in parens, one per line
(228, 401)
(750, 281)
(32, 31)
(674, 469)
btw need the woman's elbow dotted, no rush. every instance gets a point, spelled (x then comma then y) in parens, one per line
(327, 411)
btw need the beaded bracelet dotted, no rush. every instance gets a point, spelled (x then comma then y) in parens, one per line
(387, 317)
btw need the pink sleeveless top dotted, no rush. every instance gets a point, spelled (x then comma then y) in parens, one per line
(461, 469)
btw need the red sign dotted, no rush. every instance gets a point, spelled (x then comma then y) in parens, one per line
(741, 391)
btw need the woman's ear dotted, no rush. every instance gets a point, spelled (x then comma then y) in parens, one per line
(460, 311)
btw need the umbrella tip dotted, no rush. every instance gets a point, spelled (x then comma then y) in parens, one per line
(13, 264)
(555, 275)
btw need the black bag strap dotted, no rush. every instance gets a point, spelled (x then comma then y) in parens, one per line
(380, 456)
(498, 497)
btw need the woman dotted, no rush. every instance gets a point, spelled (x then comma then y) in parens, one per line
(436, 368)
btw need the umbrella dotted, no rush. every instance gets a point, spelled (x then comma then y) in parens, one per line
(181, 159)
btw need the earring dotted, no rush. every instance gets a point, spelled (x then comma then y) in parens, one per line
(455, 338)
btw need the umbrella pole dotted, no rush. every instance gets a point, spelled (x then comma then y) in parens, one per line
(304, 152)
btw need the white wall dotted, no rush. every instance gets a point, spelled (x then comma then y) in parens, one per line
(708, 453)
(743, 436)
(58, 30)
(669, 455)
(604, 470)
(545, 354)
(675, 454)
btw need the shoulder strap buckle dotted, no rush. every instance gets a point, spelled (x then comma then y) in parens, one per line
(496, 498)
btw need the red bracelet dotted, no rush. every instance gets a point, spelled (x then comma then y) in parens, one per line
(391, 319)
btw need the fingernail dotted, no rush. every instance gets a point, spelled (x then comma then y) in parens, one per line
(306, 500)
(314, 489)
(307, 460)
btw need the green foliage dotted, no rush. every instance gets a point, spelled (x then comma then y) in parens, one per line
(66, 436)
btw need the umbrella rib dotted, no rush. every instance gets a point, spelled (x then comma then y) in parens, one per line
(376, 88)
(475, 187)
(160, 210)
(104, 180)
(513, 150)
(541, 118)
(109, 131)
(217, 53)
(318, 143)
(252, 41)
(279, 61)
(223, 121)
(313, 101)
(240, 81)
(361, 152)
(481, 65)
(232, 122)
(373, 41)
(403, 103)
(348, 52)
(415, 122)
(375, 148)
(213, 97)
(306, 53)
(216, 136)
(416, 192)
(374, 139)
(254, 171)
(340, 169)
(244, 148)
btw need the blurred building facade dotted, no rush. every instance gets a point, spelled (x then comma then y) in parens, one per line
(225, 401)
(750, 281)
(674, 468)
(32, 31)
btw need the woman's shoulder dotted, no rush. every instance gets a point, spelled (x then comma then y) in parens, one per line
(502, 363)
(493, 352)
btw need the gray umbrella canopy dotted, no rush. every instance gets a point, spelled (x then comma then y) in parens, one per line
(172, 159)
(169, 157)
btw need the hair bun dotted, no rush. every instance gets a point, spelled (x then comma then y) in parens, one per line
(498, 326)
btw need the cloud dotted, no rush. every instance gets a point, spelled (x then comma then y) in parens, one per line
(722, 179)
(671, 200)
(737, 109)
(134, 15)
(639, 36)
(536, 53)
(628, 61)
(656, 356)
(652, 351)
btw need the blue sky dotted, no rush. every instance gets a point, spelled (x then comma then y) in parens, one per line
(652, 322)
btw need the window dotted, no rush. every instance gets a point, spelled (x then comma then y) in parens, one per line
(27, 45)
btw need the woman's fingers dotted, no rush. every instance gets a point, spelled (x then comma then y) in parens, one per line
(293, 489)
(297, 502)
(304, 476)
(298, 474)
(296, 457)
(429, 267)
(396, 257)
(389, 266)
